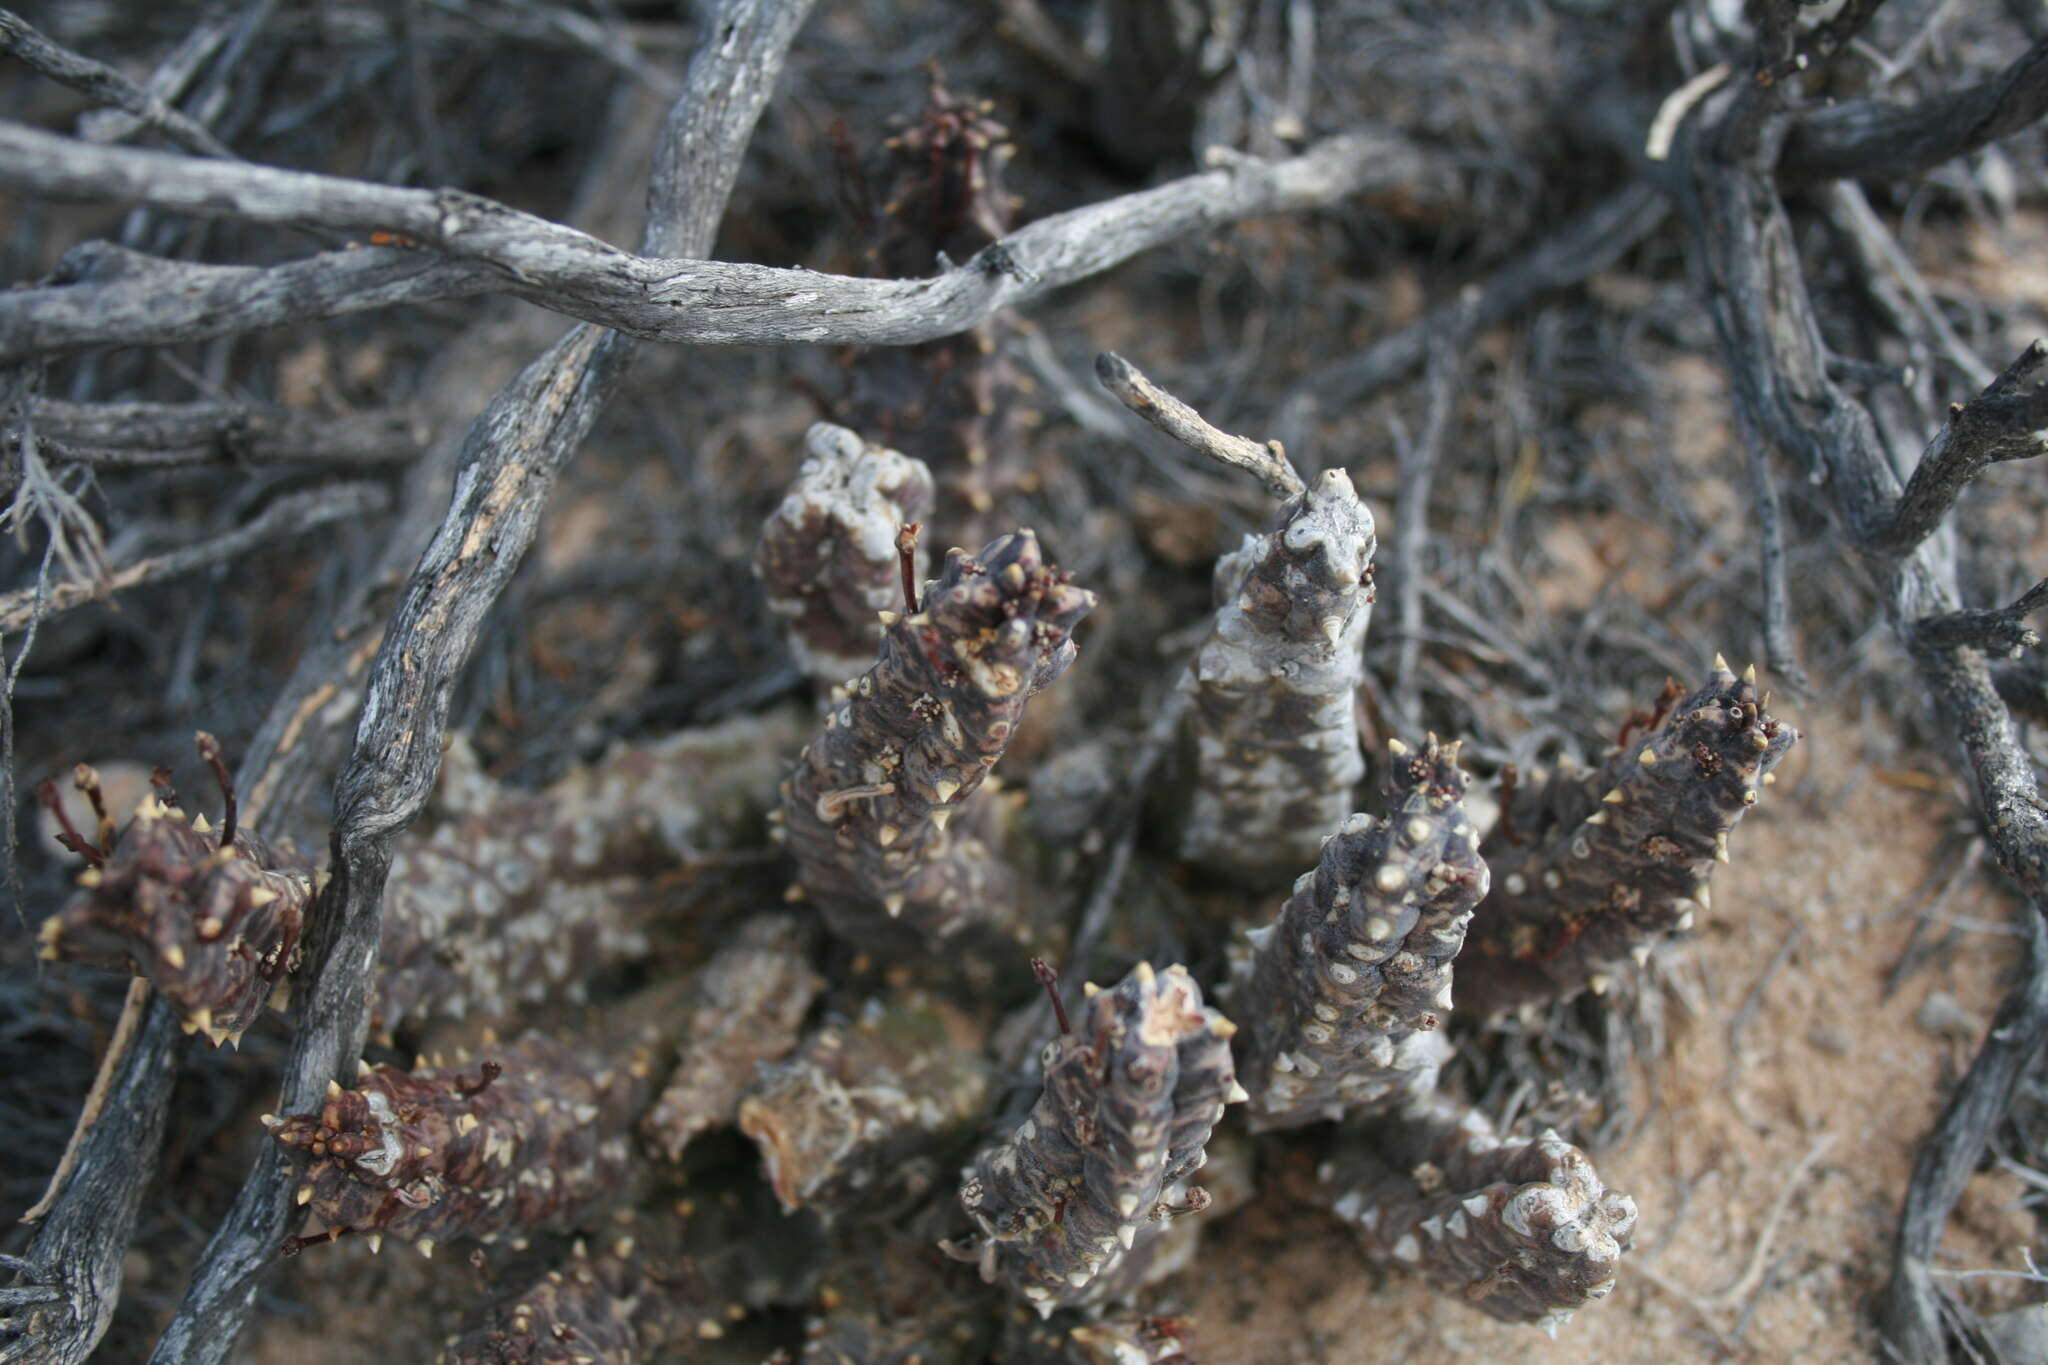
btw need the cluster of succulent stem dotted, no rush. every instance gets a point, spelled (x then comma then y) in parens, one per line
(514, 896)
(1520, 1228)
(827, 558)
(956, 403)
(210, 915)
(856, 1118)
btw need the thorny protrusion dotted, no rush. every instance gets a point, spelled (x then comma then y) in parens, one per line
(1147, 1340)
(867, 809)
(1346, 992)
(1129, 1101)
(828, 559)
(521, 895)
(955, 403)
(751, 999)
(215, 927)
(427, 1156)
(866, 1111)
(1520, 1228)
(616, 1304)
(1272, 727)
(1583, 897)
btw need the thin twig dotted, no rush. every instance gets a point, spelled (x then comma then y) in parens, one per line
(1267, 463)
(98, 81)
(291, 515)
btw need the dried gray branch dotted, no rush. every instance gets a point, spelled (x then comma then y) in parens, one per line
(1267, 463)
(169, 435)
(483, 247)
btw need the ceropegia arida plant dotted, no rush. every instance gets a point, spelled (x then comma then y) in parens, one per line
(868, 813)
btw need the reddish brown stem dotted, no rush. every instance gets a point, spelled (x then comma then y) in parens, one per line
(486, 1073)
(1509, 776)
(209, 749)
(1049, 977)
(294, 1245)
(70, 837)
(1649, 720)
(906, 556)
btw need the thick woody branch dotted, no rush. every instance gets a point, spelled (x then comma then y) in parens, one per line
(1998, 630)
(167, 435)
(481, 247)
(1869, 139)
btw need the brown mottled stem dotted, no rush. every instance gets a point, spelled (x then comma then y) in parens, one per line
(906, 559)
(1346, 994)
(1127, 1109)
(1048, 976)
(1600, 888)
(866, 814)
(1267, 463)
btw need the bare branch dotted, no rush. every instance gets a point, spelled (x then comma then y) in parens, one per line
(288, 516)
(98, 81)
(1872, 140)
(1267, 463)
(2000, 630)
(107, 296)
(2005, 422)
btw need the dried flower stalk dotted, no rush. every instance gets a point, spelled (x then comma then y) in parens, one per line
(1271, 727)
(752, 997)
(211, 916)
(827, 557)
(532, 1137)
(955, 403)
(866, 812)
(1521, 1228)
(1577, 904)
(1060, 1204)
(865, 1111)
(1346, 992)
